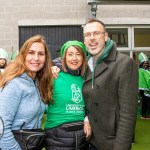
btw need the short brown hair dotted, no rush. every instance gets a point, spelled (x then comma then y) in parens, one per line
(92, 20)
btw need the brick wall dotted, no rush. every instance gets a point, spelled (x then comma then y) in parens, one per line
(14, 11)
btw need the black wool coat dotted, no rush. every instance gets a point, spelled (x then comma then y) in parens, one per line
(112, 103)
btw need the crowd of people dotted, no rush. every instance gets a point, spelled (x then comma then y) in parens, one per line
(89, 94)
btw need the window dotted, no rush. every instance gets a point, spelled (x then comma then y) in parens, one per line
(141, 37)
(119, 35)
(131, 40)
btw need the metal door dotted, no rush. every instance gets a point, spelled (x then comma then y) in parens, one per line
(55, 36)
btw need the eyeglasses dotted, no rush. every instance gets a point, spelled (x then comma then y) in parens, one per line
(95, 34)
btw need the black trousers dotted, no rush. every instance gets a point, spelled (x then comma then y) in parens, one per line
(68, 138)
(145, 105)
(92, 147)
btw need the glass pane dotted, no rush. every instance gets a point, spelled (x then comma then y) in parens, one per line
(141, 37)
(119, 35)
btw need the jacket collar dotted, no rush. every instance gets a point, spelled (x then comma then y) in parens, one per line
(103, 65)
(112, 55)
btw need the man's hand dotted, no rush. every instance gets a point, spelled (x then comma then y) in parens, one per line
(55, 71)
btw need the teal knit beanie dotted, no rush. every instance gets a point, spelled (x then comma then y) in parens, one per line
(72, 43)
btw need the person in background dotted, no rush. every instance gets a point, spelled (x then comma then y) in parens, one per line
(65, 126)
(110, 90)
(3, 59)
(25, 89)
(144, 85)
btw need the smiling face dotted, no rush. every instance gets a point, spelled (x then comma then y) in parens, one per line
(35, 58)
(95, 38)
(73, 58)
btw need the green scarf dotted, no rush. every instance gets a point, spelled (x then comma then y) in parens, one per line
(106, 51)
(104, 54)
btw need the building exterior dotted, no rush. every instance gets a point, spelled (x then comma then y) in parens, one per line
(61, 20)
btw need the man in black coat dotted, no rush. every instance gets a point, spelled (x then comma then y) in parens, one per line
(110, 90)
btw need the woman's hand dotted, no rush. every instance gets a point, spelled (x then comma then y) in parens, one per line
(87, 129)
